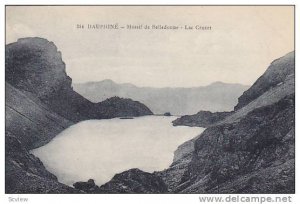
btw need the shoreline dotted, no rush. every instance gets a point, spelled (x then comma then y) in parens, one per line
(151, 172)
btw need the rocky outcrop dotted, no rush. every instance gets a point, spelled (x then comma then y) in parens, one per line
(35, 66)
(40, 103)
(120, 107)
(134, 181)
(201, 119)
(278, 72)
(272, 94)
(131, 181)
(167, 114)
(89, 186)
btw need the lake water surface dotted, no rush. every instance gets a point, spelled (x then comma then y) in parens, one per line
(99, 149)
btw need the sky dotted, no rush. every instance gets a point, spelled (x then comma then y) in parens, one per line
(242, 41)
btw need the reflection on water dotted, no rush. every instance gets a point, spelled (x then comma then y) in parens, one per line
(99, 149)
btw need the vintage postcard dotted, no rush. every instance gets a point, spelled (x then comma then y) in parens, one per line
(149, 99)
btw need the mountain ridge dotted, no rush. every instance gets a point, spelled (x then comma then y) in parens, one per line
(217, 96)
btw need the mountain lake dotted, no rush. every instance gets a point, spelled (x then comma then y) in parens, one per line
(99, 149)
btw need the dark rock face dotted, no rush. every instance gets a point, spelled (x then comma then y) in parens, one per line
(131, 181)
(173, 175)
(279, 70)
(40, 103)
(201, 119)
(134, 181)
(238, 151)
(89, 186)
(31, 61)
(30, 120)
(35, 65)
(25, 173)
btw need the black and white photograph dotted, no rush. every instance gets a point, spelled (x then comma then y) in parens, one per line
(150, 99)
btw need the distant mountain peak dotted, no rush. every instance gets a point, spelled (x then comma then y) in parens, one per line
(219, 96)
(108, 81)
(218, 83)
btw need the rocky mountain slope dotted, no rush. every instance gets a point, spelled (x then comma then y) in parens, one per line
(40, 103)
(243, 153)
(278, 72)
(134, 181)
(25, 173)
(35, 65)
(250, 151)
(274, 84)
(178, 101)
(131, 181)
